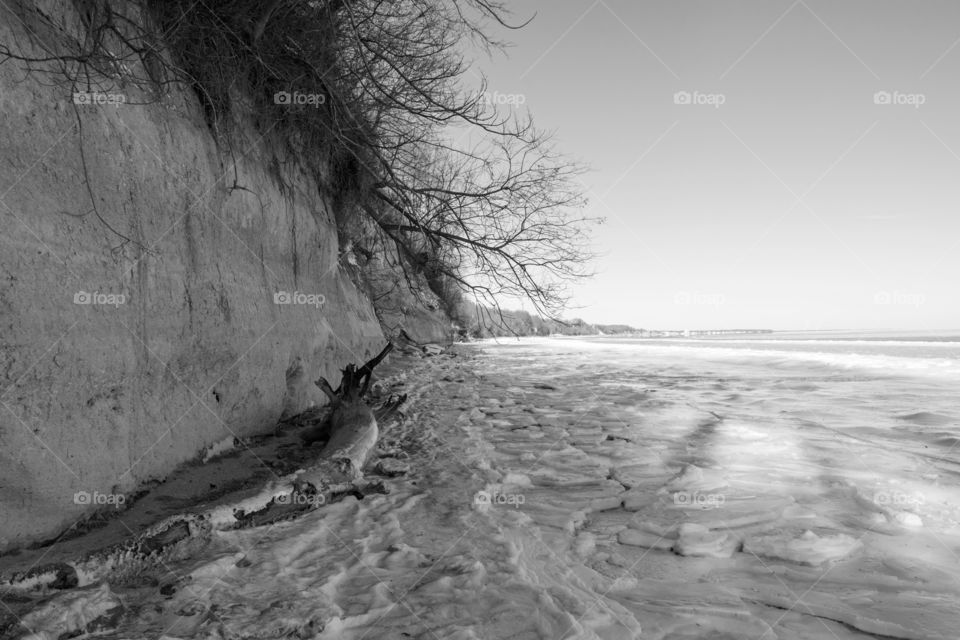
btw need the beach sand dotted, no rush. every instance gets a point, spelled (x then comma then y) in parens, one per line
(549, 494)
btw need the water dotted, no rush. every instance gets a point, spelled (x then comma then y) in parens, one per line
(615, 488)
(760, 441)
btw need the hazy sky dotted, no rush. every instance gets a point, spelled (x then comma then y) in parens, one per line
(800, 202)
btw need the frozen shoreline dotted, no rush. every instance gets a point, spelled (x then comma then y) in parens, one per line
(558, 492)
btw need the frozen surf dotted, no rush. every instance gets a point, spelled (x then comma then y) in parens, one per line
(616, 489)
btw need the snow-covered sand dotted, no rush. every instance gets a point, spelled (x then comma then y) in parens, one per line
(591, 489)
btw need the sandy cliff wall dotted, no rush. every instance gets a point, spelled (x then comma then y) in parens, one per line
(181, 343)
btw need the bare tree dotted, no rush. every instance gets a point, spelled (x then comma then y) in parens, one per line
(469, 192)
(500, 217)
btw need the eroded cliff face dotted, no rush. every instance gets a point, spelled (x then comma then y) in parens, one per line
(136, 335)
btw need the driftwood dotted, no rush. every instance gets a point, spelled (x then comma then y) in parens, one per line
(351, 429)
(411, 346)
(351, 432)
(355, 382)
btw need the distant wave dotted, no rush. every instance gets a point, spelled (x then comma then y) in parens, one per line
(818, 352)
(944, 341)
(883, 363)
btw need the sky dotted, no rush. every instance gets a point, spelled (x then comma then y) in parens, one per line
(759, 163)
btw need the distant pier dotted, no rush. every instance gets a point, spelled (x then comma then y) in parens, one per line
(700, 333)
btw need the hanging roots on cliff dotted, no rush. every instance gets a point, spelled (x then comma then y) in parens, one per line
(365, 95)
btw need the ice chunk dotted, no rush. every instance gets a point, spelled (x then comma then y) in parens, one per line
(693, 478)
(637, 538)
(72, 614)
(585, 544)
(807, 548)
(606, 503)
(697, 540)
(639, 475)
(517, 479)
(635, 500)
(713, 510)
(907, 519)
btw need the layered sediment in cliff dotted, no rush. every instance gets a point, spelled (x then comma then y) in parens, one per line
(160, 291)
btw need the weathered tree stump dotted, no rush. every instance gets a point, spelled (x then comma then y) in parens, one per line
(351, 432)
(351, 429)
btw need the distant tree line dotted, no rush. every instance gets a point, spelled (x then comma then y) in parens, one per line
(475, 322)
